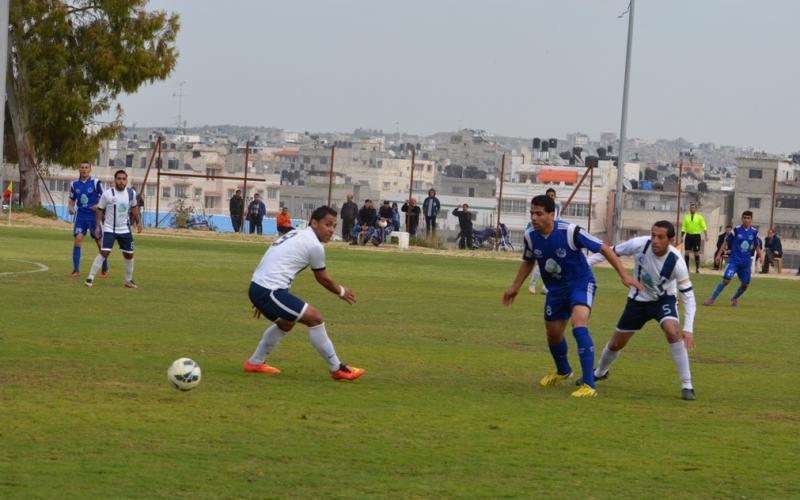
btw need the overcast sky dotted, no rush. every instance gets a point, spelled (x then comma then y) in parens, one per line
(724, 71)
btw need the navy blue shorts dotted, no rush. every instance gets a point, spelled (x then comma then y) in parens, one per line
(125, 242)
(743, 270)
(636, 313)
(559, 302)
(277, 304)
(84, 224)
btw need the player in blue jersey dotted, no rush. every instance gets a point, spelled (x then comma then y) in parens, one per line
(551, 193)
(84, 194)
(555, 246)
(743, 241)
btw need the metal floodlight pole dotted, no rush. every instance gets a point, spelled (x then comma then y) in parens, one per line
(4, 6)
(500, 201)
(158, 178)
(591, 189)
(244, 188)
(330, 174)
(772, 208)
(411, 187)
(678, 209)
(623, 129)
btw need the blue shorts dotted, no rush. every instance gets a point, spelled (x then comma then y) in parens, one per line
(84, 224)
(125, 242)
(636, 313)
(559, 302)
(743, 270)
(277, 304)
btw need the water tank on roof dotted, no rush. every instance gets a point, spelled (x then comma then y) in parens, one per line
(553, 143)
(537, 143)
(646, 185)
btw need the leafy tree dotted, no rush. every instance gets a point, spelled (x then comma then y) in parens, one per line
(68, 61)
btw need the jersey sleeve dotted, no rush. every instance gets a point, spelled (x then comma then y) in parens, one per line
(317, 258)
(703, 223)
(631, 246)
(681, 271)
(72, 190)
(527, 252)
(584, 239)
(98, 187)
(102, 203)
(133, 200)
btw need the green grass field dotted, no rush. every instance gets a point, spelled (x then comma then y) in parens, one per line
(449, 405)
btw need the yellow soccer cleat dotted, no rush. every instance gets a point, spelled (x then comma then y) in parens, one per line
(584, 391)
(554, 378)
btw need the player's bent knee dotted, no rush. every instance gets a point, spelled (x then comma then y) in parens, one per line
(312, 316)
(285, 324)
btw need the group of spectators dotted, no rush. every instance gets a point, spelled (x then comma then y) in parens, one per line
(368, 224)
(254, 215)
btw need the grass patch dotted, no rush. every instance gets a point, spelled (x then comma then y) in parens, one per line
(449, 406)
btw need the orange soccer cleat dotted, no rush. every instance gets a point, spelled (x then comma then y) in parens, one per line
(347, 372)
(263, 368)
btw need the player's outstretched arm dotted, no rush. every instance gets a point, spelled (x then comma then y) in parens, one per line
(525, 268)
(612, 259)
(343, 292)
(689, 310)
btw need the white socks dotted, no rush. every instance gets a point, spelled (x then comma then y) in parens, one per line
(272, 336)
(681, 357)
(606, 359)
(97, 263)
(319, 339)
(128, 269)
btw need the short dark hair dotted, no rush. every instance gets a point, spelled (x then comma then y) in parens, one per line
(666, 225)
(728, 227)
(86, 162)
(385, 202)
(367, 201)
(746, 213)
(544, 201)
(550, 190)
(120, 172)
(319, 213)
(238, 191)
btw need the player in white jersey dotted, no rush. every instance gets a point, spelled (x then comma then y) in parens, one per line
(536, 273)
(269, 293)
(662, 271)
(114, 211)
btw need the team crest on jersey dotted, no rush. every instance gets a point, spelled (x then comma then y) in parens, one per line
(123, 207)
(561, 253)
(647, 281)
(744, 245)
(552, 267)
(84, 199)
(537, 252)
(91, 190)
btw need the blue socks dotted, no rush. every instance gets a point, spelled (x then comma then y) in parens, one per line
(718, 290)
(739, 292)
(76, 259)
(559, 352)
(585, 353)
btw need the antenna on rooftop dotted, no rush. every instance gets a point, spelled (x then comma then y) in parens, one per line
(180, 95)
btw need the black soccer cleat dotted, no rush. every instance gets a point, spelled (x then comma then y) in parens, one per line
(596, 378)
(688, 395)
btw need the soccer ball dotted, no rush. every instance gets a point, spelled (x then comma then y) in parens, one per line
(184, 374)
(383, 223)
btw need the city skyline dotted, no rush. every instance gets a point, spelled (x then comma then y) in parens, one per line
(708, 72)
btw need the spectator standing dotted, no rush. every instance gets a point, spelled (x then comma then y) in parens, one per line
(720, 240)
(693, 225)
(284, 222)
(395, 217)
(348, 214)
(412, 218)
(236, 206)
(255, 214)
(465, 224)
(430, 207)
(774, 248)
